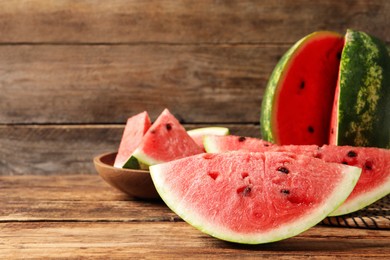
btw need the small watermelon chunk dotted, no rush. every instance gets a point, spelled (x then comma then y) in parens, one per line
(220, 144)
(374, 181)
(198, 133)
(253, 198)
(136, 127)
(298, 100)
(165, 140)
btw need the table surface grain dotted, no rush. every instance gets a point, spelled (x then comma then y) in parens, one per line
(77, 216)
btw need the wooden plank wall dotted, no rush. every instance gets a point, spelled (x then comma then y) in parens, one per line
(71, 72)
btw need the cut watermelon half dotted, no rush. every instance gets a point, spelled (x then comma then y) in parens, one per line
(165, 140)
(136, 127)
(329, 89)
(361, 112)
(297, 104)
(197, 134)
(373, 184)
(253, 198)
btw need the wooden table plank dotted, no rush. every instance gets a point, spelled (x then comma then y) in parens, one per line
(66, 149)
(178, 240)
(80, 216)
(156, 21)
(73, 198)
(107, 83)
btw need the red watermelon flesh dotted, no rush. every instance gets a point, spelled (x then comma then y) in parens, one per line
(165, 140)
(304, 105)
(253, 198)
(374, 182)
(214, 143)
(136, 127)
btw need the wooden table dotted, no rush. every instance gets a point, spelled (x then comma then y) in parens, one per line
(81, 216)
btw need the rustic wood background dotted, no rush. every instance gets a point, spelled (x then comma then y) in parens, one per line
(71, 72)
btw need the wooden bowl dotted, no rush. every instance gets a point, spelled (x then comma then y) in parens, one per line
(136, 183)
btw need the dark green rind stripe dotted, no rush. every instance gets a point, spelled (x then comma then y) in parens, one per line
(364, 98)
(132, 163)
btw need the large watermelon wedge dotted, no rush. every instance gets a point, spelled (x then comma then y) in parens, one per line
(165, 140)
(373, 184)
(298, 100)
(253, 198)
(361, 113)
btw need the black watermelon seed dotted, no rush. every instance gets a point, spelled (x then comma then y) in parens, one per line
(368, 165)
(310, 129)
(302, 86)
(168, 126)
(283, 169)
(351, 154)
(284, 191)
(344, 162)
(244, 191)
(241, 139)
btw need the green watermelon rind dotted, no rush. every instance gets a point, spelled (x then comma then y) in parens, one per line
(209, 145)
(364, 98)
(351, 175)
(131, 163)
(363, 200)
(212, 130)
(144, 158)
(277, 76)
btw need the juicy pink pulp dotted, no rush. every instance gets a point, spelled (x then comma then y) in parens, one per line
(304, 105)
(136, 127)
(251, 192)
(374, 162)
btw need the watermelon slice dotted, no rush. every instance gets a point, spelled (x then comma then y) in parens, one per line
(198, 133)
(165, 140)
(374, 182)
(218, 144)
(136, 127)
(253, 198)
(298, 100)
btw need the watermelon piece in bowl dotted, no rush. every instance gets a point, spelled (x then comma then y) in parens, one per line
(135, 129)
(253, 198)
(165, 140)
